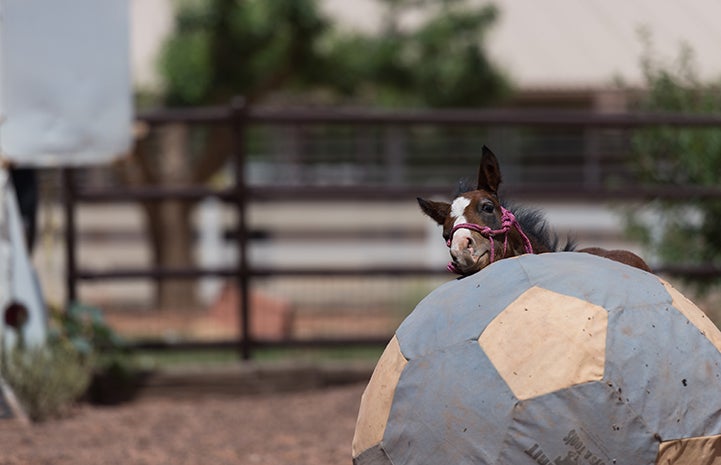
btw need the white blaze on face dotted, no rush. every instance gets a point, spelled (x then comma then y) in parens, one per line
(458, 208)
(460, 237)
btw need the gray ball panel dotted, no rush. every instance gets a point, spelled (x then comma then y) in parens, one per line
(582, 425)
(373, 456)
(461, 309)
(598, 280)
(667, 370)
(449, 407)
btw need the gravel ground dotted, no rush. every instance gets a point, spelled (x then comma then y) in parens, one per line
(312, 427)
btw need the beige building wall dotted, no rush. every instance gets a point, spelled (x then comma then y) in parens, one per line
(543, 46)
(150, 22)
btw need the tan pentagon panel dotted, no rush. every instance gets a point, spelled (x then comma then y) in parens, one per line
(695, 315)
(545, 341)
(704, 450)
(377, 398)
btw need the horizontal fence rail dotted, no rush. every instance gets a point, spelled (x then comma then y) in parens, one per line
(239, 118)
(381, 194)
(478, 117)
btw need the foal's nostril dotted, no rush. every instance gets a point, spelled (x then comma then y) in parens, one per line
(470, 243)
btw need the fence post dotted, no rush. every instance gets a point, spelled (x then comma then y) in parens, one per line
(238, 112)
(69, 203)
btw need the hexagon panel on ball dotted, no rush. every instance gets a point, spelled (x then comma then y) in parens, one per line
(559, 358)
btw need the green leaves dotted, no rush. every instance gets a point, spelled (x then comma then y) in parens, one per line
(186, 66)
(681, 232)
(263, 49)
(223, 48)
(439, 63)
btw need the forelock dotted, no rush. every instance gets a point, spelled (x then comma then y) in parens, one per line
(464, 185)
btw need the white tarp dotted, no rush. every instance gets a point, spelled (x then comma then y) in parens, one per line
(65, 88)
(18, 282)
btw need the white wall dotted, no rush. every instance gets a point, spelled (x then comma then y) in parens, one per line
(150, 23)
(556, 43)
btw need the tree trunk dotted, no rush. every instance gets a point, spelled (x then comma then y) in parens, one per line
(162, 159)
(169, 220)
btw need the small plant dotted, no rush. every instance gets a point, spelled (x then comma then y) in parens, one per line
(82, 356)
(115, 372)
(47, 379)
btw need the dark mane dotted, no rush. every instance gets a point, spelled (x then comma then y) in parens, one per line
(532, 221)
(534, 224)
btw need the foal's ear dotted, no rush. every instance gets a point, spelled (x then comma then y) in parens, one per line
(439, 211)
(489, 173)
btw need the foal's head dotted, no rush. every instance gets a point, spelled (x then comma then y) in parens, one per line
(477, 229)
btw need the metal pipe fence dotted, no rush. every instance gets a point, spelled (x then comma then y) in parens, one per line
(589, 186)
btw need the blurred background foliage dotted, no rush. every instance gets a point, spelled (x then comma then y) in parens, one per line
(289, 51)
(679, 232)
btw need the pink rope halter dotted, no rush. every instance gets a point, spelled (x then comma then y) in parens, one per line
(508, 221)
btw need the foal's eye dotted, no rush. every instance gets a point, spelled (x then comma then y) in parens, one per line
(487, 208)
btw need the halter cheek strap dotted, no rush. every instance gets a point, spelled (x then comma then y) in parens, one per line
(508, 221)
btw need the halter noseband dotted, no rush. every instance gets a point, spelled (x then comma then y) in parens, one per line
(508, 221)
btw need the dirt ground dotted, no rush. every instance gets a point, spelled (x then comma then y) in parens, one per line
(312, 427)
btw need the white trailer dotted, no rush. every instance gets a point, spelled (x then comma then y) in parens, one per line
(65, 100)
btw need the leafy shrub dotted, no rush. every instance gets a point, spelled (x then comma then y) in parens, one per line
(47, 380)
(84, 328)
(83, 356)
(680, 232)
(115, 371)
